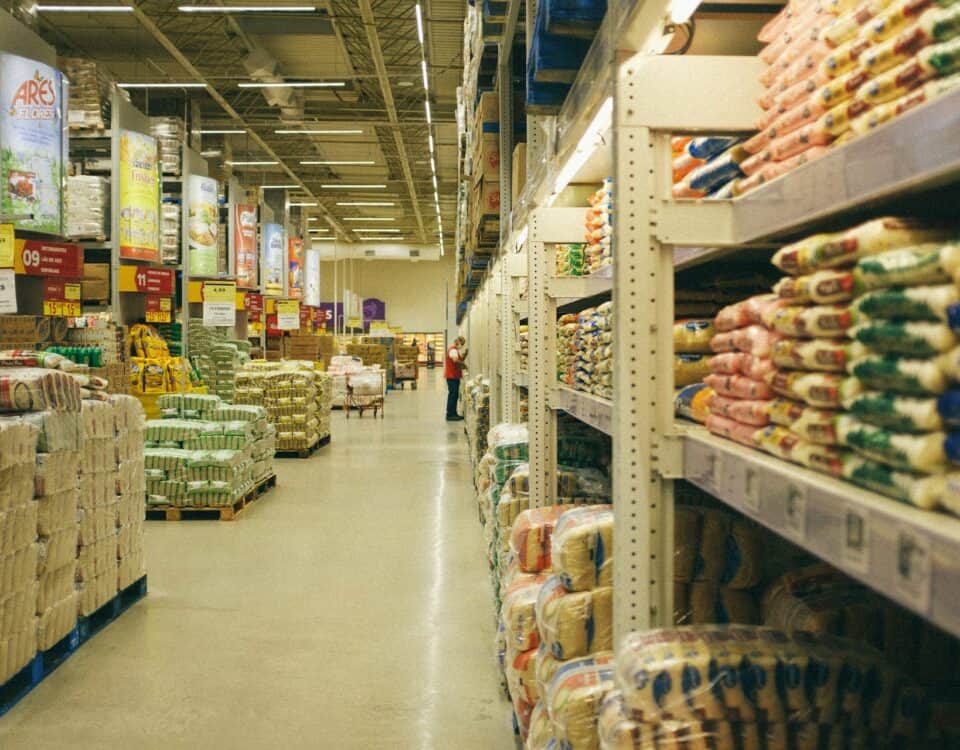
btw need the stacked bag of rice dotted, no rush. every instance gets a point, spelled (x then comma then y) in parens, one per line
(724, 686)
(838, 69)
(718, 565)
(706, 167)
(691, 347)
(324, 398)
(567, 352)
(571, 258)
(594, 345)
(217, 357)
(599, 228)
(19, 549)
(131, 489)
(296, 397)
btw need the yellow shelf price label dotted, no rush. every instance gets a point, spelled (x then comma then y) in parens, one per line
(220, 291)
(58, 308)
(7, 246)
(71, 292)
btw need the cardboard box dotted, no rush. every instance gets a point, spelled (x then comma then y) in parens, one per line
(486, 157)
(96, 281)
(487, 111)
(518, 172)
(96, 272)
(301, 347)
(486, 198)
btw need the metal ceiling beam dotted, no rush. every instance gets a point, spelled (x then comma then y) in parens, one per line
(187, 65)
(370, 25)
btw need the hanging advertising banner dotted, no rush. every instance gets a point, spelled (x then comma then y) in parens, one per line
(274, 257)
(373, 309)
(332, 314)
(288, 314)
(254, 305)
(245, 245)
(295, 278)
(203, 225)
(311, 277)
(318, 316)
(139, 197)
(31, 144)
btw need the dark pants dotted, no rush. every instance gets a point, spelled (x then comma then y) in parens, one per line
(453, 395)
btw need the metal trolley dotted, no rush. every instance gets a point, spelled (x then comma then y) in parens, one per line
(366, 390)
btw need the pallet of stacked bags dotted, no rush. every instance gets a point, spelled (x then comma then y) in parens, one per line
(593, 342)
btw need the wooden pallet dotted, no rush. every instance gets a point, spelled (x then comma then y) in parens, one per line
(305, 452)
(211, 513)
(44, 663)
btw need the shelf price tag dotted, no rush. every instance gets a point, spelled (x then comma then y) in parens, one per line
(59, 308)
(288, 314)
(914, 573)
(61, 299)
(158, 309)
(795, 511)
(219, 300)
(856, 540)
(7, 245)
(8, 291)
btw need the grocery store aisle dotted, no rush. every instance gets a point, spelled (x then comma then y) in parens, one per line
(350, 609)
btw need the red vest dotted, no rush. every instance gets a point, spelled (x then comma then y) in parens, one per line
(452, 370)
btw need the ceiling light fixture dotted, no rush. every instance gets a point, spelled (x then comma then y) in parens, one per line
(317, 231)
(304, 204)
(83, 9)
(318, 132)
(365, 203)
(419, 13)
(340, 163)
(429, 119)
(252, 163)
(435, 182)
(433, 165)
(221, 132)
(291, 85)
(423, 68)
(247, 8)
(354, 187)
(279, 187)
(376, 231)
(312, 218)
(211, 153)
(430, 141)
(370, 218)
(163, 85)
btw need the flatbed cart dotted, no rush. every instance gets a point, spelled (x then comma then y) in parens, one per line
(406, 372)
(366, 390)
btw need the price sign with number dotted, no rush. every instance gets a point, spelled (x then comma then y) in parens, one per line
(146, 280)
(158, 309)
(49, 259)
(288, 314)
(914, 573)
(61, 299)
(57, 308)
(219, 303)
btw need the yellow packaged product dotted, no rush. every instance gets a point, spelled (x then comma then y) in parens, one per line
(136, 374)
(574, 624)
(154, 376)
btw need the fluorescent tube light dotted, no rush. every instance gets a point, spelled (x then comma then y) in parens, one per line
(353, 187)
(252, 163)
(433, 165)
(83, 9)
(435, 182)
(366, 203)
(423, 68)
(419, 13)
(312, 218)
(318, 132)
(221, 132)
(247, 8)
(340, 163)
(211, 153)
(292, 85)
(306, 204)
(430, 141)
(163, 85)
(279, 187)
(429, 119)
(376, 231)
(317, 231)
(370, 218)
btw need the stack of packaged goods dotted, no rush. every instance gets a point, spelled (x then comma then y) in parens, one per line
(18, 558)
(600, 229)
(324, 403)
(152, 370)
(707, 167)
(340, 369)
(837, 72)
(567, 352)
(59, 441)
(170, 232)
(718, 565)
(97, 565)
(291, 393)
(594, 345)
(100, 332)
(506, 449)
(131, 488)
(169, 132)
(523, 336)
(573, 615)
(87, 207)
(890, 287)
(198, 463)
(476, 413)
(571, 257)
(691, 352)
(89, 101)
(216, 357)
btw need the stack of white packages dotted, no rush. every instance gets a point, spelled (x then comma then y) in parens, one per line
(18, 546)
(89, 102)
(324, 403)
(341, 367)
(57, 494)
(97, 558)
(169, 133)
(291, 392)
(594, 343)
(87, 206)
(264, 444)
(170, 232)
(131, 486)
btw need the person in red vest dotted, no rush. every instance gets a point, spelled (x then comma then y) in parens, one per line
(453, 371)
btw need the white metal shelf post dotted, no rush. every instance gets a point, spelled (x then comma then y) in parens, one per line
(541, 366)
(507, 337)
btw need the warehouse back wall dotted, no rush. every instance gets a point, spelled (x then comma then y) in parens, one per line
(415, 293)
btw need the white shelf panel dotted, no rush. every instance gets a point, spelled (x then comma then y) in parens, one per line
(521, 379)
(909, 555)
(592, 410)
(578, 287)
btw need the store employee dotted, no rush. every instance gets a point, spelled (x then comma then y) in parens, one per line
(454, 366)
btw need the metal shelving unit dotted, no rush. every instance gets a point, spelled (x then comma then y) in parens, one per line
(907, 554)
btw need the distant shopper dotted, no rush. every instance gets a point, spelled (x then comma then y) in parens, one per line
(453, 372)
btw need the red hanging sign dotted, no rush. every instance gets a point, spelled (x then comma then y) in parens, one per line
(56, 259)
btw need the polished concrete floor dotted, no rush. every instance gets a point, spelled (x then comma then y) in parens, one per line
(350, 608)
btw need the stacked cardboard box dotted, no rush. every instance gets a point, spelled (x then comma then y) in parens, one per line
(483, 219)
(90, 87)
(95, 286)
